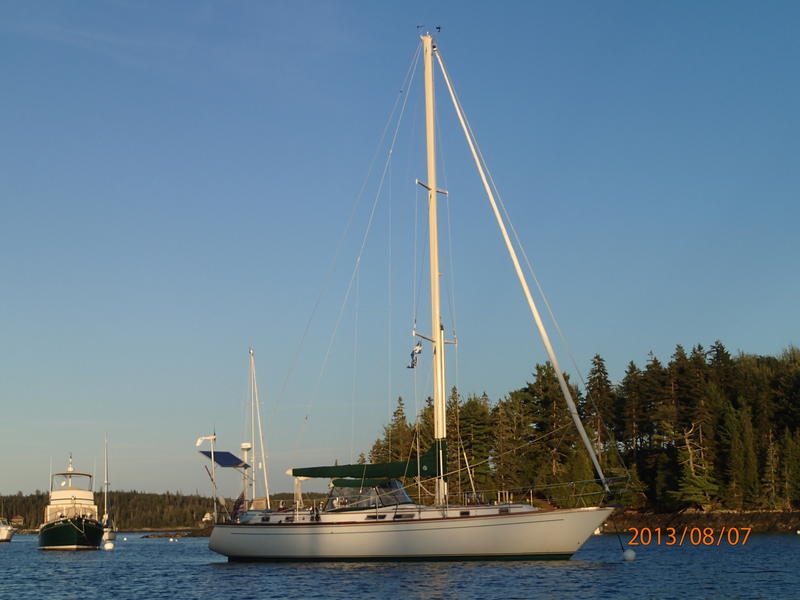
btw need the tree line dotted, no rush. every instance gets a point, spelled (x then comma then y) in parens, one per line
(707, 429)
(130, 510)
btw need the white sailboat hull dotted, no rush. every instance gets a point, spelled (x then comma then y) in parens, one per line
(524, 535)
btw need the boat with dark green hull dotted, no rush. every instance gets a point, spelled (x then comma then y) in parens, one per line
(70, 519)
(75, 533)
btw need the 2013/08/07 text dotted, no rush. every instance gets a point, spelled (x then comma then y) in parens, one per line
(694, 536)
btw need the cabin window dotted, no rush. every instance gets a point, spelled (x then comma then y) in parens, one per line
(463, 513)
(503, 511)
(374, 517)
(404, 516)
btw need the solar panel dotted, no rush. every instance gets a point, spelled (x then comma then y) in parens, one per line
(225, 459)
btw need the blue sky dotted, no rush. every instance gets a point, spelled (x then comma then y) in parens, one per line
(175, 180)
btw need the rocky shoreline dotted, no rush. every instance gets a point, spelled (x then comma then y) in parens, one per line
(758, 521)
(181, 533)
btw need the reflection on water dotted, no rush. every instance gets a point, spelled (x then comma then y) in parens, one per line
(186, 569)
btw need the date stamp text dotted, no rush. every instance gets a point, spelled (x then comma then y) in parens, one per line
(689, 536)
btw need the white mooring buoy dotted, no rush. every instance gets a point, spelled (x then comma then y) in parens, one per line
(629, 555)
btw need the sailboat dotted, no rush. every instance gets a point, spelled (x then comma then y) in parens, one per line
(248, 502)
(70, 518)
(369, 515)
(109, 528)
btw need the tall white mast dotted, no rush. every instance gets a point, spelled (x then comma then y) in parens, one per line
(437, 334)
(254, 458)
(255, 416)
(105, 485)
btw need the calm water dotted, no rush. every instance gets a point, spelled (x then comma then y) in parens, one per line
(767, 567)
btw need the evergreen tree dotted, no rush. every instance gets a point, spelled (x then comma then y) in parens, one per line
(515, 460)
(754, 375)
(578, 468)
(749, 461)
(455, 463)
(685, 389)
(634, 416)
(424, 425)
(731, 463)
(696, 484)
(664, 479)
(398, 436)
(659, 468)
(476, 438)
(601, 403)
(550, 416)
(722, 371)
(787, 389)
(698, 384)
(790, 468)
(770, 479)
(659, 403)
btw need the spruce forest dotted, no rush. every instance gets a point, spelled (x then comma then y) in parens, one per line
(707, 430)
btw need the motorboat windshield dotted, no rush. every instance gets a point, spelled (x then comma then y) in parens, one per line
(71, 480)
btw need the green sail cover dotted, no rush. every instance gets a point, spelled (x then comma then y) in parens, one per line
(390, 470)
